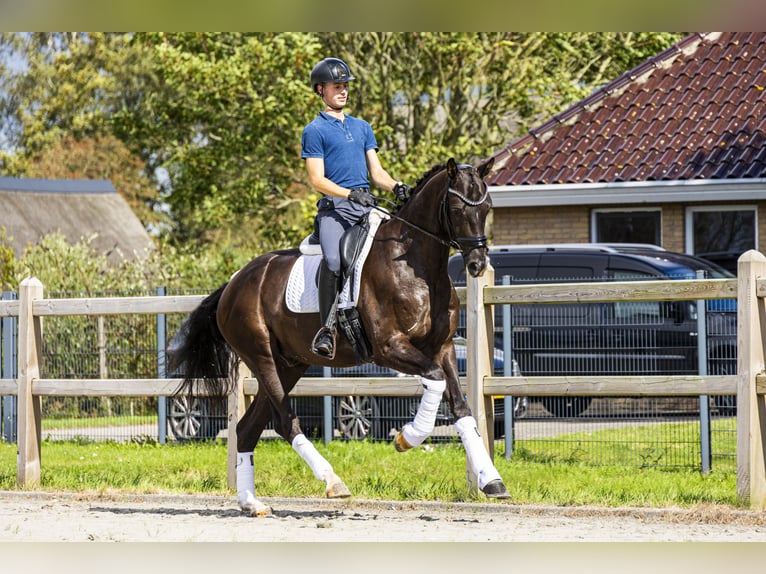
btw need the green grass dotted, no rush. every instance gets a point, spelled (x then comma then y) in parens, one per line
(374, 471)
(51, 423)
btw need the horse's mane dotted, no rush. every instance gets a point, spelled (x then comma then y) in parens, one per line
(420, 183)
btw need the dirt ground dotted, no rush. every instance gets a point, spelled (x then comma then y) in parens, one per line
(52, 517)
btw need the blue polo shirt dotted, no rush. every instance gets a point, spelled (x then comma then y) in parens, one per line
(343, 145)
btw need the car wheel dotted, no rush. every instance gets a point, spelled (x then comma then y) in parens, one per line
(565, 407)
(358, 417)
(188, 419)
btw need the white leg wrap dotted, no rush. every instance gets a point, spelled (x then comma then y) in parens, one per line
(477, 455)
(418, 430)
(319, 465)
(245, 480)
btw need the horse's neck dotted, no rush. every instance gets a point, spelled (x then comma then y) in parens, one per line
(424, 206)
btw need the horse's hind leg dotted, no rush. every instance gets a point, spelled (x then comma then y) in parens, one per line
(288, 427)
(249, 430)
(277, 381)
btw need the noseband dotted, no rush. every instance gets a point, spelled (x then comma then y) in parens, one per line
(462, 244)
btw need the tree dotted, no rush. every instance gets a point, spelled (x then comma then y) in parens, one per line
(225, 126)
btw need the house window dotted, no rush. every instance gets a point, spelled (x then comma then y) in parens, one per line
(721, 233)
(627, 226)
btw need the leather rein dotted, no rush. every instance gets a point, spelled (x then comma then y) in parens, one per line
(462, 244)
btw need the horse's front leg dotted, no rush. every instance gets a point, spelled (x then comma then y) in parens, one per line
(415, 432)
(488, 478)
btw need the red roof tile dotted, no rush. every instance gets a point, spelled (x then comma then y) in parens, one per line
(695, 111)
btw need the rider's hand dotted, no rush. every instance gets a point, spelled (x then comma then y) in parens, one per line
(362, 197)
(402, 192)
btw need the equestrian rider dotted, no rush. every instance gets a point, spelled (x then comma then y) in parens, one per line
(340, 150)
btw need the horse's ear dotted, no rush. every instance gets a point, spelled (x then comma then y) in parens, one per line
(486, 167)
(451, 168)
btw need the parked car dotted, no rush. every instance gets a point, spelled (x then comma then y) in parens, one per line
(355, 417)
(618, 338)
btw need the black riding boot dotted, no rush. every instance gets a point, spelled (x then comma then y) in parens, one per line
(329, 285)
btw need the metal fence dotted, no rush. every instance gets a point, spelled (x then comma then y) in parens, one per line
(648, 431)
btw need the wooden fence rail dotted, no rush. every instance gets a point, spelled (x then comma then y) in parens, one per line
(479, 296)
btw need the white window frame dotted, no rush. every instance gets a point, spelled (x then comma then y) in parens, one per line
(596, 210)
(689, 221)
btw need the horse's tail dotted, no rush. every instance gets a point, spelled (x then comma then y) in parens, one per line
(199, 352)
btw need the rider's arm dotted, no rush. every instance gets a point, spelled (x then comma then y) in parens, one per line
(380, 177)
(317, 179)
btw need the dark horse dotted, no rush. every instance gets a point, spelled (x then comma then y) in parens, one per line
(408, 308)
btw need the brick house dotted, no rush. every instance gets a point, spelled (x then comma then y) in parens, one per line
(670, 153)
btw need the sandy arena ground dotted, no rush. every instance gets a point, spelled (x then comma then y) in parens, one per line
(52, 517)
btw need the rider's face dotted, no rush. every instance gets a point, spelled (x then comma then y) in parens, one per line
(335, 94)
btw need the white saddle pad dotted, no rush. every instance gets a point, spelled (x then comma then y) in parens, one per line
(301, 293)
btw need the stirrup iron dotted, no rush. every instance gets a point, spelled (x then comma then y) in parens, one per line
(324, 330)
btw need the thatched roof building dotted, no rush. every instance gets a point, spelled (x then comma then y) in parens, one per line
(77, 208)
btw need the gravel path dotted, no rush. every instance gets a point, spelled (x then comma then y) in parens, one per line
(49, 517)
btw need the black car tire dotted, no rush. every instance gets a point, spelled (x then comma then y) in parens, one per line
(358, 417)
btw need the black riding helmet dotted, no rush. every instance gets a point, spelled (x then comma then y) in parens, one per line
(330, 70)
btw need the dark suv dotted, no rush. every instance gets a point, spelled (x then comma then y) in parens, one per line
(619, 338)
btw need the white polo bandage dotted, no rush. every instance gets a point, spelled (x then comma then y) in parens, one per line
(477, 455)
(245, 480)
(318, 464)
(423, 425)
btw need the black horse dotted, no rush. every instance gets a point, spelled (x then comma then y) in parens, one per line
(408, 308)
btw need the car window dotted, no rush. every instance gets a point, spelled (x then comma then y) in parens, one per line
(561, 274)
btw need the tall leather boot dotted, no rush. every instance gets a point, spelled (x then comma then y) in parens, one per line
(329, 286)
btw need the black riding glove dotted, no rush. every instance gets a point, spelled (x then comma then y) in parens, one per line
(362, 197)
(402, 192)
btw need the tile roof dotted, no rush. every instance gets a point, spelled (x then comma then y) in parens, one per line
(695, 111)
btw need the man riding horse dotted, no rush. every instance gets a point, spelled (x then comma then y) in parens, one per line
(407, 306)
(340, 150)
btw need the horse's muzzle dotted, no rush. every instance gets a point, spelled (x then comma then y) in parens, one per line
(476, 262)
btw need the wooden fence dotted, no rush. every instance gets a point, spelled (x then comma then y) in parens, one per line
(749, 384)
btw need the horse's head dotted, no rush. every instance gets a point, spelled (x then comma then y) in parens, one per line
(465, 209)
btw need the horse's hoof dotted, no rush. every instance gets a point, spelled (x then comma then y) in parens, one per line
(257, 509)
(337, 490)
(400, 443)
(495, 489)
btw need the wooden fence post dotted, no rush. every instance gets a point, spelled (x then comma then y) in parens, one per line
(479, 320)
(29, 406)
(751, 410)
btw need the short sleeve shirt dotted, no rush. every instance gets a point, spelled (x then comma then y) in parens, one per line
(343, 145)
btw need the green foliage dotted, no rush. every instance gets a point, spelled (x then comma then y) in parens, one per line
(78, 268)
(7, 262)
(226, 127)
